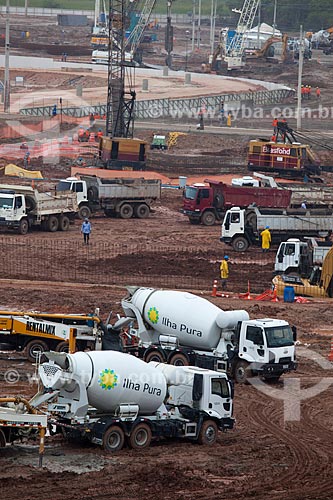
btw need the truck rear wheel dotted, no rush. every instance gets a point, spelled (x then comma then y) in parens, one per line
(34, 350)
(208, 433)
(52, 224)
(84, 212)
(62, 347)
(113, 439)
(126, 211)
(179, 359)
(64, 223)
(2, 439)
(208, 218)
(141, 211)
(140, 437)
(240, 244)
(24, 226)
(155, 355)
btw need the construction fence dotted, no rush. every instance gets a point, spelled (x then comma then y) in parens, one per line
(60, 260)
(63, 260)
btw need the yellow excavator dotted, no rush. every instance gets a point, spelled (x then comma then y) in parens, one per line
(319, 284)
(265, 49)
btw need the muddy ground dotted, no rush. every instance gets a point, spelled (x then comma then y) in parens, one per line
(273, 452)
(265, 455)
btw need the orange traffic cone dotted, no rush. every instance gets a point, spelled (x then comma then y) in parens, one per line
(330, 356)
(275, 297)
(214, 291)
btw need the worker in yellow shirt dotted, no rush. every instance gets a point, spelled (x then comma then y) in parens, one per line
(224, 270)
(266, 239)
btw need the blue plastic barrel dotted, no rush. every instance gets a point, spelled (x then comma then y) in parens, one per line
(289, 294)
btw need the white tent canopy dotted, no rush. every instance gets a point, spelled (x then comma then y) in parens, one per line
(265, 29)
(255, 40)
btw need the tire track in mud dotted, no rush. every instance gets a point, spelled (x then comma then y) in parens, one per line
(308, 454)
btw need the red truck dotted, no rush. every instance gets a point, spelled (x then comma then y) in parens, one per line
(208, 204)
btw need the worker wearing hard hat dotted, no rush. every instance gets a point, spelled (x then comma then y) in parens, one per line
(266, 239)
(224, 271)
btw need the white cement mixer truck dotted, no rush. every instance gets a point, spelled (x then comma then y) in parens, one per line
(182, 329)
(111, 398)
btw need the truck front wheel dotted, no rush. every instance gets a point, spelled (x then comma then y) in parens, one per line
(34, 350)
(208, 433)
(24, 226)
(84, 212)
(140, 437)
(240, 244)
(126, 211)
(113, 439)
(242, 372)
(52, 224)
(141, 211)
(208, 218)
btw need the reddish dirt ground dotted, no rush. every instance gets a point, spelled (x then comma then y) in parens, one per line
(263, 456)
(266, 455)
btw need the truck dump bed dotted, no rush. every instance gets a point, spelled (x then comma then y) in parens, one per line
(45, 203)
(125, 188)
(299, 223)
(243, 196)
(55, 204)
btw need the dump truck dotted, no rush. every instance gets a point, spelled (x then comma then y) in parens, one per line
(296, 256)
(319, 283)
(110, 397)
(23, 207)
(208, 204)
(34, 333)
(242, 227)
(181, 329)
(124, 198)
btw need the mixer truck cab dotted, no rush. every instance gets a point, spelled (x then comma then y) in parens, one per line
(112, 398)
(264, 347)
(182, 329)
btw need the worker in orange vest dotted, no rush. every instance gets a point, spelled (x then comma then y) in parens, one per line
(275, 125)
(99, 133)
(81, 134)
(318, 92)
(302, 92)
(273, 138)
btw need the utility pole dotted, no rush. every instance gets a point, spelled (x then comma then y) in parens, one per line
(193, 24)
(6, 100)
(26, 8)
(299, 85)
(212, 25)
(169, 35)
(259, 21)
(199, 26)
(274, 18)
